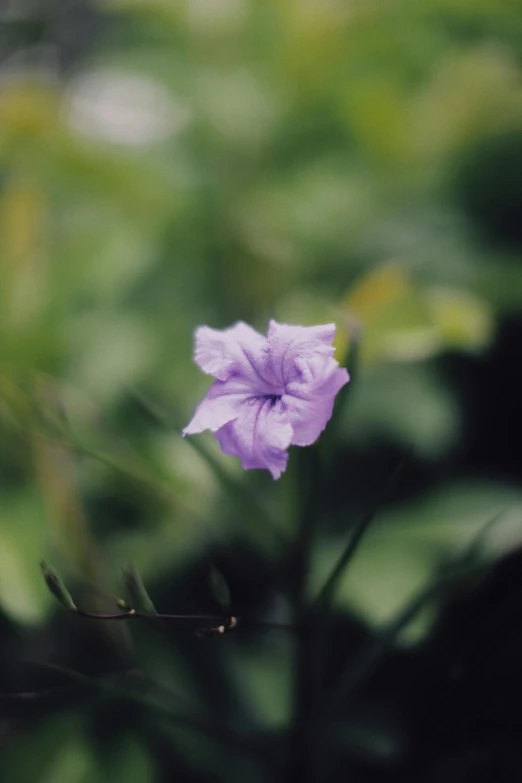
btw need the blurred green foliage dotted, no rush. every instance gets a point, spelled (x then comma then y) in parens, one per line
(205, 161)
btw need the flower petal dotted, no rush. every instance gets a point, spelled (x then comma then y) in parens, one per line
(259, 436)
(270, 392)
(309, 406)
(295, 349)
(221, 404)
(239, 349)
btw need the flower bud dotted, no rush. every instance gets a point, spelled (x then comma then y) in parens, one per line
(57, 587)
(139, 597)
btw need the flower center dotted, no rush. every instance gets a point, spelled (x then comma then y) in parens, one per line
(272, 398)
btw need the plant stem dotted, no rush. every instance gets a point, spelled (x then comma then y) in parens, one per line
(300, 759)
(227, 622)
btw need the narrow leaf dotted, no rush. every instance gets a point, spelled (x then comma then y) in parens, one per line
(358, 672)
(328, 590)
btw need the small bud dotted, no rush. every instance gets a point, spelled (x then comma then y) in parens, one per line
(57, 587)
(219, 587)
(138, 595)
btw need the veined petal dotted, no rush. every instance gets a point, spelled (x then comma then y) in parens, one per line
(239, 349)
(293, 348)
(270, 392)
(309, 406)
(221, 404)
(259, 436)
(319, 378)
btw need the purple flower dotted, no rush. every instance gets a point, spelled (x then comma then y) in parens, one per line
(269, 392)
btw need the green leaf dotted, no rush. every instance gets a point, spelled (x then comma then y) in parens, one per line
(464, 321)
(408, 403)
(23, 540)
(403, 321)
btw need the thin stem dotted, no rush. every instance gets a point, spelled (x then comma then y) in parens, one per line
(228, 622)
(301, 762)
(131, 615)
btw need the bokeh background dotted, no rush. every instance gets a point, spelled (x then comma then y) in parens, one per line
(170, 163)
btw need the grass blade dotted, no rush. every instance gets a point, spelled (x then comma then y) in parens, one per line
(327, 592)
(357, 673)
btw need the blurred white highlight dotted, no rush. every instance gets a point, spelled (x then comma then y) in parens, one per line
(123, 108)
